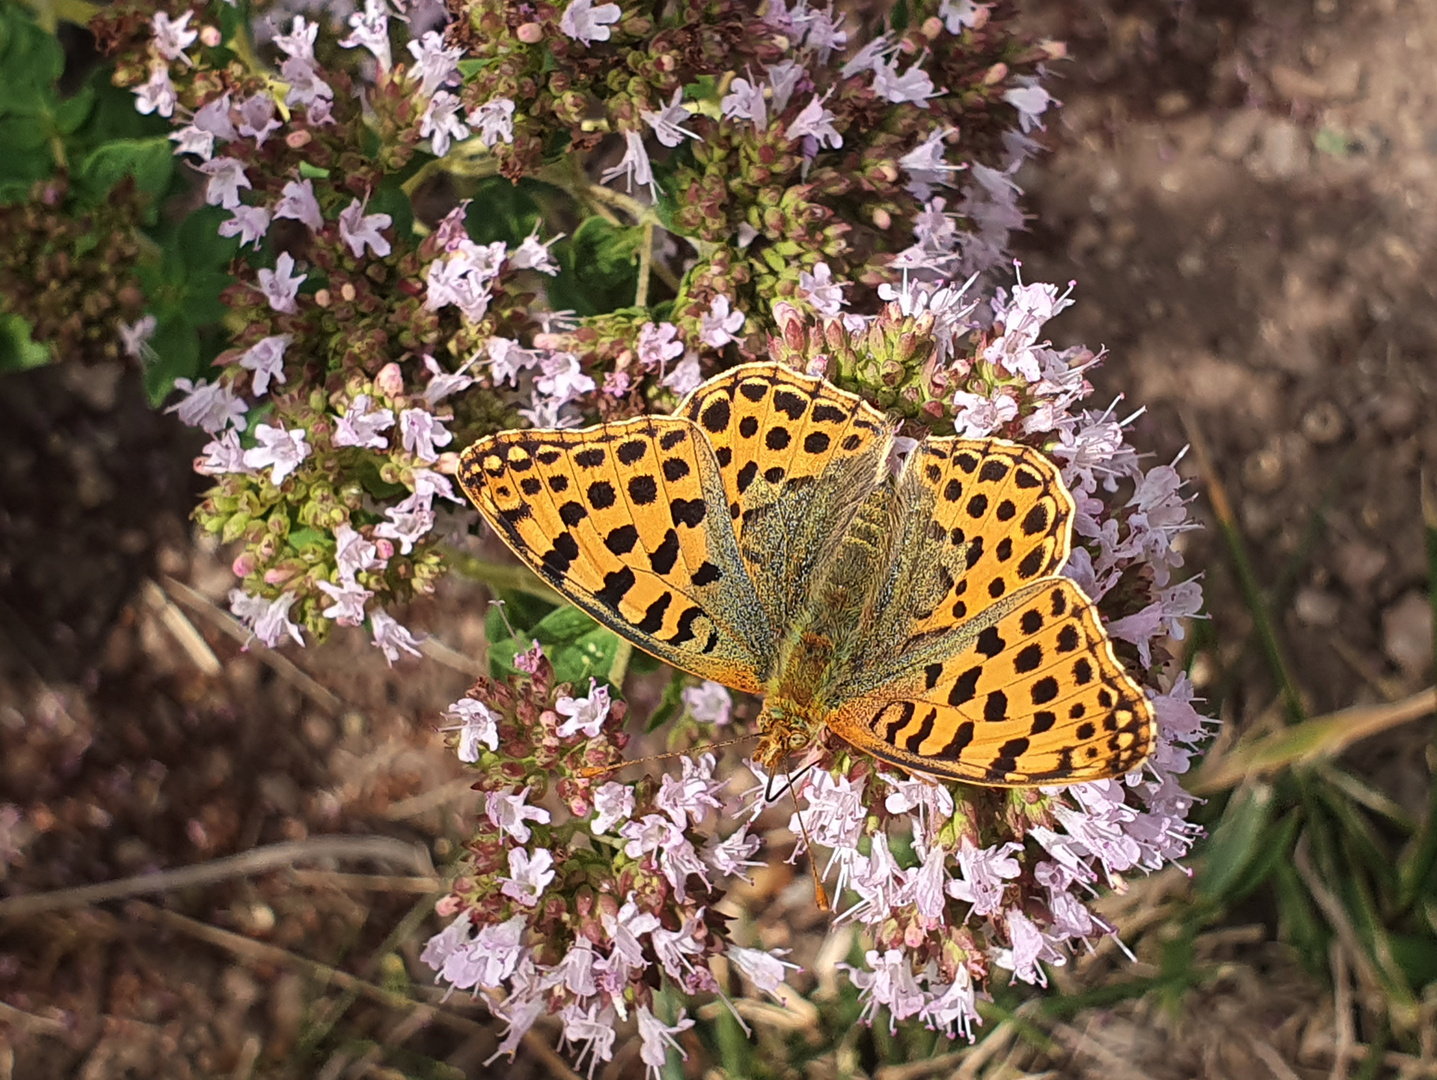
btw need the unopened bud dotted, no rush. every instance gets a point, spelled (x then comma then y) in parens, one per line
(348, 292)
(531, 33)
(322, 298)
(882, 218)
(932, 27)
(996, 74)
(296, 139)
(210, 36)
(390, 380)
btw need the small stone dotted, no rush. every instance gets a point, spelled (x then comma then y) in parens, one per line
(1396, 413)
(1282, 150)
(1407, 633)
(1263, 472)
(1293, 84)
(1359, 564)
(1237, 133)
(1173, 103)
(1316, 607)
(1323, 424)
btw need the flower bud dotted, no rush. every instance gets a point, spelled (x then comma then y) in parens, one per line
(390, 380)
(296, 139)
(530, 33)
(210, 36)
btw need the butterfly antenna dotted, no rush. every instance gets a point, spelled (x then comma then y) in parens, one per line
(593, 771)
(821, 894)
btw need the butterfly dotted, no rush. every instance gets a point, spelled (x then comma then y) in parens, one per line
(762, 537)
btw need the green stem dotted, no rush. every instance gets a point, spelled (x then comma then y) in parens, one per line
(646, 265)
(500, 575)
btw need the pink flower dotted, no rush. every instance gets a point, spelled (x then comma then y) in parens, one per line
(361, 426)
(691, 797)
(634, 165)
(745, 101)
(226, 178)
(1031, 100)
(655, 1039)
(709, 703)
(658, 344)
(763, 969)
(983, 871)
(913, 86)
(441, 124)
(686, 375)
(594, 1027)
(257, 118)
(443, 383)
(298, 44)
(533, 255)
(279, 450)
(586, 714)
(888, 981)
(269, 619)
(266, 359)
(476, 725)
(249, 223)
(409, 521)
(508, 813)
(172, 37)
(134, 337)
(820, 290)
(815, 122)
(586, 23)
(434, 65)
(222, 455)
(353, 554)
(720, 325)
(349, 598)
(421, 432)
(783, 80)
(562, 379)
(370, 30)
(528, 876)
(211, 407)
(391, 638)
(494, 121)
(298, 203)
(667, 124)
(280, 286)
(358, 229)
(613, 802)
(157, 95)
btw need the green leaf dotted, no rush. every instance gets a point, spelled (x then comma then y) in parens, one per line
(312, 172)
(148, 161)
(600, 267)
(18, 351)
(1237, 841)
(74, 110)
(577, 646)
(177, 356)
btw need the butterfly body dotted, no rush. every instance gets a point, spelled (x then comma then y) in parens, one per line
(761, 537)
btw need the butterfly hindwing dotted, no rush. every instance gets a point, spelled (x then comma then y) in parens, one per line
(1028, 692)
(629, 521)
(996, 516)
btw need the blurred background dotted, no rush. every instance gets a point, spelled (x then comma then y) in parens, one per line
(1245, 192)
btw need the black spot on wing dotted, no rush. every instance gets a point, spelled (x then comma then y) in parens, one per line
(925, 729)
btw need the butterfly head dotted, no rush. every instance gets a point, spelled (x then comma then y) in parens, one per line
(783, 731)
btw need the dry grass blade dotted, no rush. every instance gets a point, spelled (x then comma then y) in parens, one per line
(286, 669)
(1311, 740)
(258, 861)
(181, 629)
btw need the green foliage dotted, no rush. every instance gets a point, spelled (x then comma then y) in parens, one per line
(18, 351)
(578, 647)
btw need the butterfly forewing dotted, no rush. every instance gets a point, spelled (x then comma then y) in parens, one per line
(629, 521)
(1031, 694)
(797, 456)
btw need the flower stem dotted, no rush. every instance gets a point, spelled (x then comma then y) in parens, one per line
(646, 264)
(500, 575)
